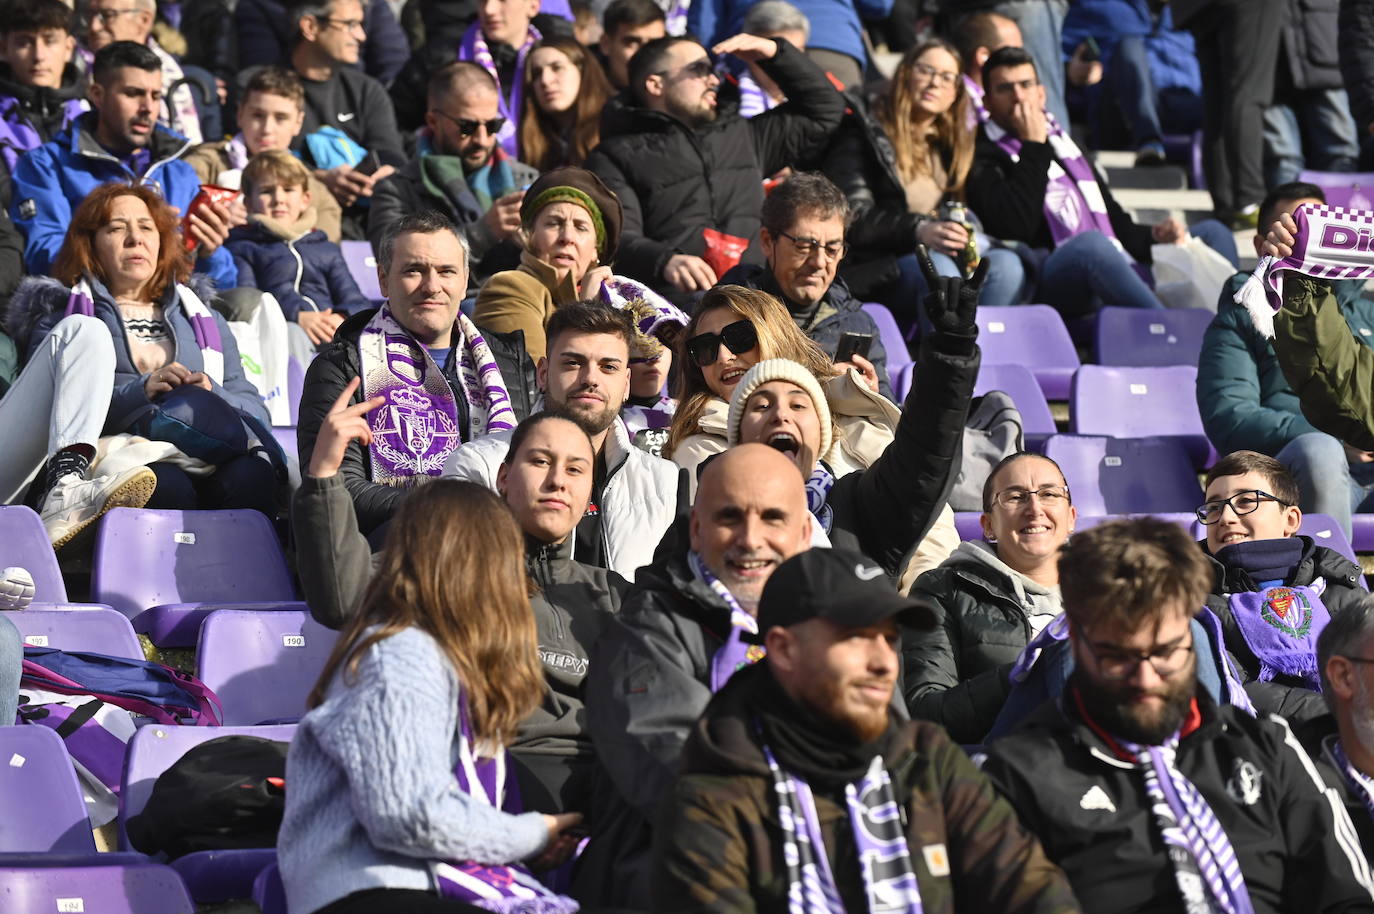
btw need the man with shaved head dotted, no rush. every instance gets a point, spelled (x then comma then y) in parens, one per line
(685, 627)
(461, 171)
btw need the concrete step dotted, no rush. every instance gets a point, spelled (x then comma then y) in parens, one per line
(1160, 177)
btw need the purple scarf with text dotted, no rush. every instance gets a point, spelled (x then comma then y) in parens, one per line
(474, 48)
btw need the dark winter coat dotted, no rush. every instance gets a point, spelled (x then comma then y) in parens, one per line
(305, 274)
(673, 181)
(356, 104)
(339, 362)
(1355, 42)
(1318, 737)
(1309, 49)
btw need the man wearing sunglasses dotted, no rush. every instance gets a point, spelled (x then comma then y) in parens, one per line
(1147, 793)
(461, 171)
(689, 170)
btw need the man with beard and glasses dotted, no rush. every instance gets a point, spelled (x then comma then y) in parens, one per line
(586, 375)
(800, 785)
(689, 170)
(1150, 796)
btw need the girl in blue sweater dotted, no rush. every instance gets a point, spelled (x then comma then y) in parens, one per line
(398, 790)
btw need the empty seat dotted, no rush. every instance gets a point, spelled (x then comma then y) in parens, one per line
(363, 268)
(1139, 403)
(262, 665)
(1326, 532)
(1017, 381)
(166, 570)
(1348, 190)
(24, 543)
(1126, 475)
(44, 808)
(74, 627)
(268, 891)
(1362, 532)
(124, 888)
(894, 344)
(1134, 336)
(1033, 336)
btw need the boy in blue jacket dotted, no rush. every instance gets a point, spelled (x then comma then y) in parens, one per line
(280, 250)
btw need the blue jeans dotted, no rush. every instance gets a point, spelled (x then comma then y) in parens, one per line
(1004, 285)
(1128, 96)
(1328, 482)
(1313, 130)
(11, 665)
(1042, 33)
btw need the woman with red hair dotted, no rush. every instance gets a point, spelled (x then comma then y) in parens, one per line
(125, 263)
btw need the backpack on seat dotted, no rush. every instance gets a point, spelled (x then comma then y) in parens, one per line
(993, 431)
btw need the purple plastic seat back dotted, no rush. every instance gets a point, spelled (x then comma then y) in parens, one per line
(24, 543)
(1017, 382)
(75, 627)
(1186, 149)
(44, 808)
(146, 558)
(1033, 336)
(1135, 402)
(1326, 532)
(1134, 336)
(155, 748)
(894, 344)
(295, 383)
(1348, 190)
(1126, 475)
(262, 665)
(363, 267)
(268, 891)
(126, 888)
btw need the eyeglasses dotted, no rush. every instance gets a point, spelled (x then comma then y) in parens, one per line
(109, 16)
(467, 126)
(704, 348)
(938, 77)
(1016, 497)
(1116, 664)
(1246, 502)
(697, 69)
(805, 247)
(348, 25)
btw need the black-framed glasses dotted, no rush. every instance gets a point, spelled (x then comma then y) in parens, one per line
(805, 247)
(468, 126)
(1116, 664)
(1242, 503)
(704, 348)
(1016, 497)
(697, 69)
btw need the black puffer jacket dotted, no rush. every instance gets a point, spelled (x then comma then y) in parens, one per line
(1356, 44)
(339, 362)
(674, 181)
(1310, 44)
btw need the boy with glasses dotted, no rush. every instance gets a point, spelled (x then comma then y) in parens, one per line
(1148, 794)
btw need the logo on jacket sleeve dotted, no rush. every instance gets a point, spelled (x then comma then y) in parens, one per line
(1244, 786)
(28, 208)
(1096, 798)
(937, 859)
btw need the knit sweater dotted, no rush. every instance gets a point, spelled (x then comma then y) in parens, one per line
(373, 797)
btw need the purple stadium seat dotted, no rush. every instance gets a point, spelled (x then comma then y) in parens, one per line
(76, 627)
(1126, 475)
(1017, 381)
(268, 891)
(894, 344)
(166, 570)
(1135, 336)
(1139, 403)
(1362, 532)
(363, 267)
(123, 888)
(44, 808)
(24, 542)
(211, 876)
(1186, 149)
(1326, 532)
(295, 383)
(1033, 336)
(969, 524)
(1346, 190)
(262, 665)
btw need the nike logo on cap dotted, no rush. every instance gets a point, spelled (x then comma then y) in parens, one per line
(866, 574)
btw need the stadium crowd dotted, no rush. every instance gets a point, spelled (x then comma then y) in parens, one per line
(552, 338)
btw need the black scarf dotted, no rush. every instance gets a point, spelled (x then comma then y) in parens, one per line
(1263, 560)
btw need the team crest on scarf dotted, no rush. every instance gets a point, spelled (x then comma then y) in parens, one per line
(416, 434)
(1288, 610)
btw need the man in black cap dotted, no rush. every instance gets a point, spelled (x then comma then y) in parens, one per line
(800, 790)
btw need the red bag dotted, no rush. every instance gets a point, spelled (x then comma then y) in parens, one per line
(723, 251)
(208, 192)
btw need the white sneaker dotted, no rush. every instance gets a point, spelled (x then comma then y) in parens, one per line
(75, 503)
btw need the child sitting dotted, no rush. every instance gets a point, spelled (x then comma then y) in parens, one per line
(282, 252)
(1275, 590)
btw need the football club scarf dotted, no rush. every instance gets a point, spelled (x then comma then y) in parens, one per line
(818, 486)
(1330, 243)
(736, 653)
(202, 320)
(474, 48)
(876, 818)
(417, 429)
(1281, 625)
(1361, 783)
(509, 889)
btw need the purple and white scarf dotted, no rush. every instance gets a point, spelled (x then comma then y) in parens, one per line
(203, 326)
(509, 889)
(1205, 864)
(736, 653)
(675, 18)
(1330, 243)
(474, 48)
(1281, 625)
(1361, 783)
(179, 107)
(818, 486)
(876, 818)
(417, 429)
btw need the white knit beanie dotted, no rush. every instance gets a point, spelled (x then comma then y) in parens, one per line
(780, 370)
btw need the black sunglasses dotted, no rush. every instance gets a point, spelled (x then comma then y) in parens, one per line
(468, 126)
(704, 348)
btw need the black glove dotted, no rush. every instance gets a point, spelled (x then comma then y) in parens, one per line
(951, 305)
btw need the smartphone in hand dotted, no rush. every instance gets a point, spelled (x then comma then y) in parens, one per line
(852, 344)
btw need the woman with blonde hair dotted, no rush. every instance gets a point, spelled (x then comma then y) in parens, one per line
(440, 665)
(565, 90)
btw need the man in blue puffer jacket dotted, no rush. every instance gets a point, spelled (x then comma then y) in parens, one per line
(118, 141)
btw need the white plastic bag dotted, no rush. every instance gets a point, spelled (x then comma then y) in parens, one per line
(1189, 275)
(263, 352)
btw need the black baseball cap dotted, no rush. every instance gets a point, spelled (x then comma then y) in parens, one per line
(840, 585)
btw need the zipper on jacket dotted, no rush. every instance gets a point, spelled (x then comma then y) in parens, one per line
(300, 272)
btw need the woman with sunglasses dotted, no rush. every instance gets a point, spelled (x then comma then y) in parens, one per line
(570, 223)
(565, 91)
